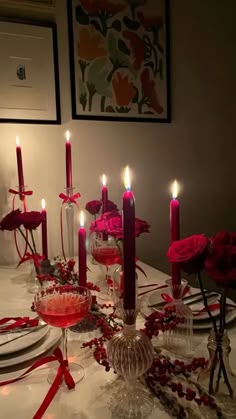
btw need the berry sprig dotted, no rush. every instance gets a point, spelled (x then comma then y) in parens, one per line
(161, 321)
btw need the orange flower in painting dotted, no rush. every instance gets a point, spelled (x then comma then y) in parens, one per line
(149, 91)
(124, 89)
(91, 44)
(137, 46)
(149, 21)
(93, 7)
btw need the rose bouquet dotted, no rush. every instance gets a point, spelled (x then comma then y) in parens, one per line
(217, 256)
(24, 223)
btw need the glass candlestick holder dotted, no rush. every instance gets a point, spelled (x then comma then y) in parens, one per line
(69, 211)
(180, 339)
(130, 353)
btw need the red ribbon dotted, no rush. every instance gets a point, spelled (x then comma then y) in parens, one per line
(20, 192)
(212, 307)
(169, 299)
(36, 258)
(62, 372)
(67, 198)
(18, 322)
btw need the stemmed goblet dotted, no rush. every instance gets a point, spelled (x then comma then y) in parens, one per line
(105, 251)
(64, 306)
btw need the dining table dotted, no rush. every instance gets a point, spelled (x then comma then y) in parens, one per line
(90, 397)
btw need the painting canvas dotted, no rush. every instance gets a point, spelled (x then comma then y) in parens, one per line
(119, 57)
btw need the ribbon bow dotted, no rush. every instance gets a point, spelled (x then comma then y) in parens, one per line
(13, 191)
(34, 256)
(18, 322)
(61, 372)
(67, 198)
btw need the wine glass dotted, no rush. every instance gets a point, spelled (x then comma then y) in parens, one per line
(64, 306)
(105, 251)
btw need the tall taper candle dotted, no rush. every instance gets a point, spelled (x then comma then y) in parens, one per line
(19, 165)
(68, 161)
(82, 252)
(104, 193)
(175, 230)
(44, 230)
(129, 245)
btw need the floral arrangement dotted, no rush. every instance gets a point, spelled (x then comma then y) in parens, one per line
(24, 223)
(94, 207)
(217, 256)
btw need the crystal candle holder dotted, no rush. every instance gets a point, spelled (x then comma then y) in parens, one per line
(131, 354)
(179, 340)
(69, 211)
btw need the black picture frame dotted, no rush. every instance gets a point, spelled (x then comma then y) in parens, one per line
(45, 90)
(75, 69)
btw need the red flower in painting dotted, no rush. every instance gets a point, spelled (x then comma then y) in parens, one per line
(123, 89)
(149, 21)
(93, 207)
(94, 7)
(137, 46)
(11, 221)
(31, 220)
(149, 91)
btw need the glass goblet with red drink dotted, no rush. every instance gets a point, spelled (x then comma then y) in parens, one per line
(64, 306)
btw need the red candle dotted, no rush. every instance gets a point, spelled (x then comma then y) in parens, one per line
(19, 165)
(129, 245)
(174, 231)
(68, 162)
(104, 194)
(82, 252)
(44, 230)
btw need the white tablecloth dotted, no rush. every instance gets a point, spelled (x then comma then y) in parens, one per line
(89, 400)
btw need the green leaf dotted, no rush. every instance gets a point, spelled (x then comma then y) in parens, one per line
(82, 87)
(81, 16)
(123, 47)
(97, 74)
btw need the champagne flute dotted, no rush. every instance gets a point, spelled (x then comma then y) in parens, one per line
(64, 306)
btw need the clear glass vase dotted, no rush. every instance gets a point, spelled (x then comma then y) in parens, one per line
(179, 340)
(130, 353)
(218, 377)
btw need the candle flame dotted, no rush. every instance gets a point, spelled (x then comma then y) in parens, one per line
(17, 140)
(175, 189)
(43, 204)
(81, 219)
(127, 178)
(67, 136)
(104, 180)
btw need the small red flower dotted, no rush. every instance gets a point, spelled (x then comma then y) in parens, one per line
(11, 221)
(137, 46)
(149, 91)
(31, 220)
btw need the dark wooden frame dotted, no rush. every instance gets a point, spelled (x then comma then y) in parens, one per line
(56, 121)
(117, 118)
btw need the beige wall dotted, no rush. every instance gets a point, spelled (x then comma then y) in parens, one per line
(198, 147)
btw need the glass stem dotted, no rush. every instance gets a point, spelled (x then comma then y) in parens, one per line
(64, 343)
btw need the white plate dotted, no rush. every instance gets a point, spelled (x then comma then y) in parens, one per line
(26, 339)
(203, 315)
(51, 339)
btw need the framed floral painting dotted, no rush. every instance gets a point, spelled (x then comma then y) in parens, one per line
(119, 59)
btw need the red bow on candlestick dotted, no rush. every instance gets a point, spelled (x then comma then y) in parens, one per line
(62, 372)
(72, 198)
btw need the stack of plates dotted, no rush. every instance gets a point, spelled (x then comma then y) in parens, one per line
(23, 346)
(201, 318)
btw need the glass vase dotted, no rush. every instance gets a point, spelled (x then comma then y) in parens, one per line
(179, 340)
(218, 377)
(130, 353)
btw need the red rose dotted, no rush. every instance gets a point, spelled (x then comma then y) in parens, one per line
(114, 225)
(31, 220)
(11, 221)
(190, 253)
(93, 207)
(141, 226)
(111, 206)
(220, 265)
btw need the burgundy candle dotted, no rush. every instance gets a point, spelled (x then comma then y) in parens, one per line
(68, 161)
(82, 252)
(44, 230)
(19, 165)
(174, 231)
(104, 194)
(129, 245)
